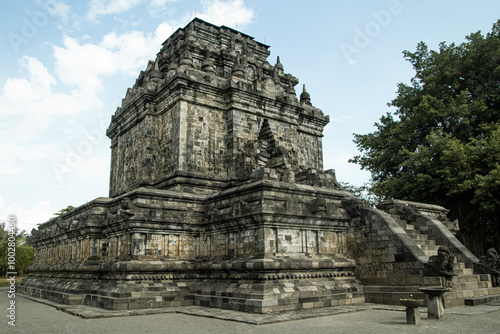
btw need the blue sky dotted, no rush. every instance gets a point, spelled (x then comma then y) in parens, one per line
(66, 65)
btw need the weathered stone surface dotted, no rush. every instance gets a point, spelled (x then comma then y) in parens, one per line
(211, 105)
(218, 198)
(490, 264)
(217, 192)
(442, 264)
(413, 316)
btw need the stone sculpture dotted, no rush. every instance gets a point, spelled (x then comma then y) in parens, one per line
(490, 264)
(442, 264)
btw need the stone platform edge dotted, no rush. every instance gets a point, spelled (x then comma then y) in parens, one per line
(90, 312)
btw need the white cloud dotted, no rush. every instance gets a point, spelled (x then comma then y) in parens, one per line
(91, 169)
(28, 218)
(57, 8)
(33, 103)
(99, 8)
(9, 169)
(37, 85)
(132, 50)
(33, 153)
(82, 65)
(159, 7)
(342, 166)
(37, 100)
(28, 104)
(85, 65)
(17, 157)
(160, 3)
(229, 13)
(34, 95)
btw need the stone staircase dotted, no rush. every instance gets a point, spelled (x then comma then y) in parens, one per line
(468, 288)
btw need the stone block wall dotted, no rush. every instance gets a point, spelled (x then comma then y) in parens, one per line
(201, 110)
(384, 252)
(431, 220)
(217, 193)
(263, 218)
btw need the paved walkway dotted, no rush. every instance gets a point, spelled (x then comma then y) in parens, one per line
(40, 316)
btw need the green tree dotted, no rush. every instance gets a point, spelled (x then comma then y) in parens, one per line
(442, 144)
(61, 212)
(364, 192)
(65, 210)
(24, 253)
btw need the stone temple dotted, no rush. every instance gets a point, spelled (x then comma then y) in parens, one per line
(218, 198)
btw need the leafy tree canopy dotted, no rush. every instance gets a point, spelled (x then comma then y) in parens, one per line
(65, 210)
(24, 253)
(364, 192)
(442, 144)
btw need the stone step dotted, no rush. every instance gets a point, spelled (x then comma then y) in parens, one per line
(461, 269)
(423, 243)
(413, 232)
(482, 300)
(473, 293)
(461, 272)
(433, 248)
(429, 253)
(417, 237)
(392, 294)
(475, 296)
(57, 296)
(397, 218)
(420, 238)
(461, 265)
(285, 303)
(471, 277)
(462, 286)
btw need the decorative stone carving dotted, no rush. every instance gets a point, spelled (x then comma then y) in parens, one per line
(186, 59)
(304, 96)
(490, 264)
(217, 188)
(406, 212)
(208, 65)
(192, 77)
(317, 204)
(127, 208)
(317, 178)
(34, 236)
(61, 223)
(238, 68)
(353, 205)
(442, 264)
